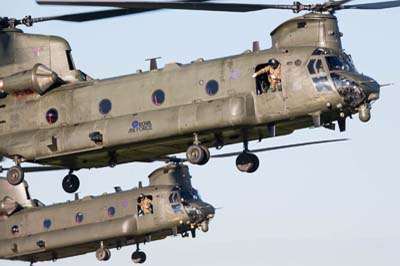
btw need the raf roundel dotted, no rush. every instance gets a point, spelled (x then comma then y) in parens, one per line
(234, 74)
(135, 123)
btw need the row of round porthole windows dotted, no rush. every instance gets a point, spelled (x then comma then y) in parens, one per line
(158, 98)
(79, 217)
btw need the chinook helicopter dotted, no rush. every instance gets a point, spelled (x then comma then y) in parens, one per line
(86, 123)
(169, 206)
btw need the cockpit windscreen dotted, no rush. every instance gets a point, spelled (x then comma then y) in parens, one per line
(340, 63)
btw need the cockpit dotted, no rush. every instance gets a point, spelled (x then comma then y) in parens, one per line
(334, 70)
(342, 62)
(179, 195)
(336, 61)
(189, 201)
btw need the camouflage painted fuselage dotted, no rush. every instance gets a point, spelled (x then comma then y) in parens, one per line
(139, 128)
(34, 232)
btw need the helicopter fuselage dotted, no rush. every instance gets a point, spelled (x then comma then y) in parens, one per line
(142, 117)
(31, 231)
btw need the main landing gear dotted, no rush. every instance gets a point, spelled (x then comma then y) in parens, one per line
(102, 253)
(15, 175)
(138, 256)
(247, 162)
(196, 153)
(70, 183)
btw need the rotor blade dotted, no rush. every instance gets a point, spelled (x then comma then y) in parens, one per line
(102, 14)
(42, 169)
(89, 16)
(279, 147)
(36, 169)
(227, 7)
(377, 5)
(168, 159)
(336, 3)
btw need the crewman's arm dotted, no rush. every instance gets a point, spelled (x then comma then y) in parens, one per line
(262, 71)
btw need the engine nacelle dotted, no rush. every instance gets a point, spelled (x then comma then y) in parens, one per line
(39, 79)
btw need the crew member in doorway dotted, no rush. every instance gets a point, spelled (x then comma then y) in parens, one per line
(273, 70)
(145, 205)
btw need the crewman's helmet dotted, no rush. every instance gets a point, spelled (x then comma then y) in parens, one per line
(274, 63)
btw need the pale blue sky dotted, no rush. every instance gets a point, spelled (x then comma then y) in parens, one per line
(336, 204)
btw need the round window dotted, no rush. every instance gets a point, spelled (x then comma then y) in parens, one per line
(111, 212)
(105, 106)
(79, 217)
(47, 223)
(15, 229)
(212, 87)
(158, 97)
(52, 116)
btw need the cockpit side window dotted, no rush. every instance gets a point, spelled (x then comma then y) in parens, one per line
(342, 62)
(317, 70)
(310, 66)
(173, 197)
(319, 66)
(322, 84)
(189, 195)
(145, 205)
(334, 63)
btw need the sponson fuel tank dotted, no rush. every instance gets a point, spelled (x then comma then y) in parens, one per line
(31, 231)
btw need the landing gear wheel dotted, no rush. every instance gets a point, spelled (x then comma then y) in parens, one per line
(247, 162)
(15, 175)
(206, 155)
(195, 154)
(138, 257)
(70, 183)
(103, 254)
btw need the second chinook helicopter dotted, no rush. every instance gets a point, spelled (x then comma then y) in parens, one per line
(83, 123)
(33, 232)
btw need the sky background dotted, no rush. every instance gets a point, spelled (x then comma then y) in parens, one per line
(333, 204)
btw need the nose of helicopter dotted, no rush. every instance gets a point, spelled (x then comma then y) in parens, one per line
(199, 211)
(358, 92)
(371, 88)
(368, 85)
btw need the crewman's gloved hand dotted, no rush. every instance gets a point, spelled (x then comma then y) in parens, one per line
(254, 75)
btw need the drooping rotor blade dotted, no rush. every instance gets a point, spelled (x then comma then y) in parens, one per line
(28, 21)
(193, 5)
(102, 14)
(377, 5)
(36, 169)
(89, 16)
(335, 4)
(329, 6)
(171, 159)
(279, 147)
